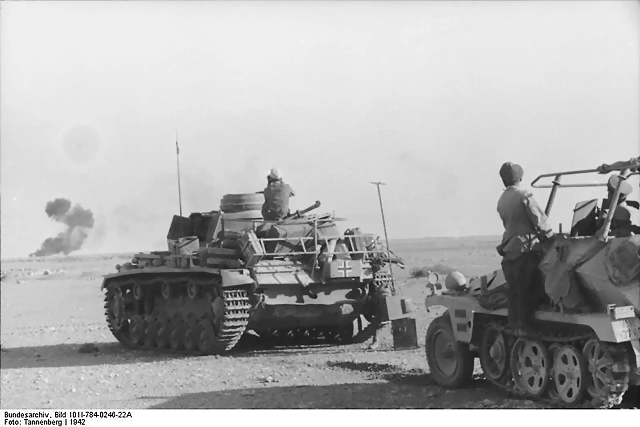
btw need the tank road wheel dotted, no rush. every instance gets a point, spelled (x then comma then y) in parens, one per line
(115, 310)
(191, 334)
(450, 361)
(608, 372)
(206, 336)
(494, 355)
(138, 292)
(136, 330)
(218, 308)
(569, 374)
(150, 331)
(163, 335)
(178, 328)
(530, 366)
(166, 290)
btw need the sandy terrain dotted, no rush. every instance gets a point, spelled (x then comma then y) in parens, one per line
(46, 319)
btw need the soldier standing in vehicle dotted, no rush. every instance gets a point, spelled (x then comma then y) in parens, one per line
(276, 197)
(525, 228)
(626, 217)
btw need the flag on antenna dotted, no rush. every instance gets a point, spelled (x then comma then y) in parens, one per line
(177, 148)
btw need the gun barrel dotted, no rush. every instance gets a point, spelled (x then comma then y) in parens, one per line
(298, 214)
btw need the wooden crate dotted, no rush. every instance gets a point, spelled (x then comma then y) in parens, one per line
(251, 249)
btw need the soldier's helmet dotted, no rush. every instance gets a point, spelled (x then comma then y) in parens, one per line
(275, 174)
(455, 281)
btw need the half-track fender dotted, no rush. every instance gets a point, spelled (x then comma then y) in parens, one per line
(461, 310)
(618, 325)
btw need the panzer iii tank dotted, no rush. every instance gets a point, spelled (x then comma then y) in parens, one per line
(584, 350)
(229, 271)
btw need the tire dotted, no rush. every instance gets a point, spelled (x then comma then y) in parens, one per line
(233, 203)
(242, 198)
(249, 214)
(458, 358)
(235, 208)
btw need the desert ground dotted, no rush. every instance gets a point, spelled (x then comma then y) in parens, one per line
(51, 316)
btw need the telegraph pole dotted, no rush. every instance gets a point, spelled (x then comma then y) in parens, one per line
(178, 162)
(384, 224)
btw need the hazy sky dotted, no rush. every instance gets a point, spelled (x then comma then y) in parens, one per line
(429, 97)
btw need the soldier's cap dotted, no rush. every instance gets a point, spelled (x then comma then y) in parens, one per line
(511, 173)
(625, 188)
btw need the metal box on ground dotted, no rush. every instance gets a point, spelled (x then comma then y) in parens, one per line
(395, 307)
(405, 334)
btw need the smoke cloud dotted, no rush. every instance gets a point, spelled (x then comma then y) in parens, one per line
(78, 221)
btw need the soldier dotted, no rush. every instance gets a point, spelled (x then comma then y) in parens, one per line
(382, 291)
(626, 215)
(276, 197)
(526, 227)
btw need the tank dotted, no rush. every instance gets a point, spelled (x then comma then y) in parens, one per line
(584, 350)
(227, 272)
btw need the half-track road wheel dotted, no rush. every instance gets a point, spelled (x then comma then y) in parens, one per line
(450, 361)
(494, 354)
(530, 366)
(608, 372)
(569, 374)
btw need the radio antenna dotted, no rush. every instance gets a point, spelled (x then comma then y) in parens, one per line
(384, 224)
(178, 162)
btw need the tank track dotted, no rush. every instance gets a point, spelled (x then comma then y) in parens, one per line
(341, 334)
(608, 398)
(183, 314)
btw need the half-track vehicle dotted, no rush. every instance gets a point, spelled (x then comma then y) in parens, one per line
(229, 271)
(584, 349)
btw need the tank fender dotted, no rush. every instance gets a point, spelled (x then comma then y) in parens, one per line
(236, 278)
(461, 314)
(106, 281)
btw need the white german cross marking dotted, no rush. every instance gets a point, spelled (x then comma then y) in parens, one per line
(345, 268)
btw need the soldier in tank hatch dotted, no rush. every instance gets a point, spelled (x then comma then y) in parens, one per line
(626, 217)
(525, 228)
(276, 197)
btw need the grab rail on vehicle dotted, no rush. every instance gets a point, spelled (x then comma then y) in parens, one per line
(623, 173)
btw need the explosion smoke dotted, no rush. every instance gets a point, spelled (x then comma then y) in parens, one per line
(78, 221)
